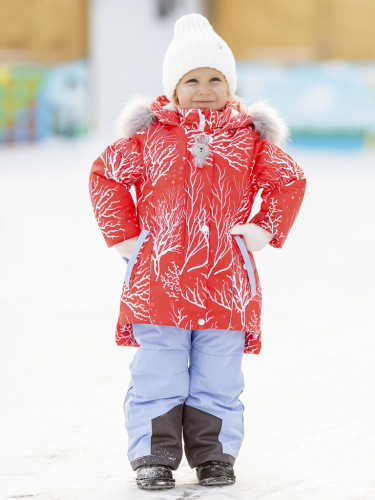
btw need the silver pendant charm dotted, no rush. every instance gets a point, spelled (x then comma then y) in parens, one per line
(200, 150)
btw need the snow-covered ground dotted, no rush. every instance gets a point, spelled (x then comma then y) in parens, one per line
(309, 397)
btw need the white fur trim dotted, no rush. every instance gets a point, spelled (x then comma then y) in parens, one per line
(269, 124)
(135, 116)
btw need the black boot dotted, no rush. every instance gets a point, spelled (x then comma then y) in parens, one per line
(215, 474)
(155, 477)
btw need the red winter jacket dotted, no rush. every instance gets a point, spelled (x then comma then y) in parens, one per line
(187, 270)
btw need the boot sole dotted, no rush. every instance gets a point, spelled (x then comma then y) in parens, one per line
(217, 481)
(156, 484)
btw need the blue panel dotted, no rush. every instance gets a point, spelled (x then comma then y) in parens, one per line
(249, 267)
(134, 255)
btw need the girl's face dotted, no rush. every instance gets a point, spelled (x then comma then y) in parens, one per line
(203, 88)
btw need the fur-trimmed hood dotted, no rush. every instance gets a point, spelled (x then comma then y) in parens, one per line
(139, 113)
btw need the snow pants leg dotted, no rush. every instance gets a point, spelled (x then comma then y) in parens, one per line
(213, 413)
(165, 395)
(158, 388)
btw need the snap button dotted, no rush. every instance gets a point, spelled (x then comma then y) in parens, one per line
(244, 266)
(201, 321)
(204, 229)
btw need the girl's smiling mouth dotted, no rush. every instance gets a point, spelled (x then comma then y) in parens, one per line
(203, 102)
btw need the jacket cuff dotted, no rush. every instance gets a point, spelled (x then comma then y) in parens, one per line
(127, 231)
(258, 219)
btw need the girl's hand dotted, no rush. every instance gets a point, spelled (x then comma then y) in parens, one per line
(126, 247)
(256, 237)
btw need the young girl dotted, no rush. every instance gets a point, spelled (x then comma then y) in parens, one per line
(191, 299)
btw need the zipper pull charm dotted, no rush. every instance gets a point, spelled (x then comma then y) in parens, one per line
(200, 150)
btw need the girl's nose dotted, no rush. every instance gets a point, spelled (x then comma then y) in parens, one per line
(204, 90)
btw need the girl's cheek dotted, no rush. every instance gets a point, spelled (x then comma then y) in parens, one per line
(221, 89)
(187, 89)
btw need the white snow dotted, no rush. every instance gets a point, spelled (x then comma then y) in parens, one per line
(309, 397)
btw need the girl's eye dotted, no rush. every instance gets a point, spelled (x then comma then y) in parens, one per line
(215, 79)
(192, 80)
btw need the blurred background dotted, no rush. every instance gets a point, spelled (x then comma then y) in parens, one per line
(67, 67)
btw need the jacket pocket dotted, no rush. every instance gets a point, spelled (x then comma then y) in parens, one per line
(134, 255)
(249, 267)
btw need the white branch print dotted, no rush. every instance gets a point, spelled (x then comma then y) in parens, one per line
(122, 162)
(176, 314)
(107, 208)
(236, 148)
(223, 296)
(273, 218)
(241, 288)
(168, 223)
(171, 281)
(160, 152)
(125, 333)
(137, 298)
(196, 217)
(222, 215)
(196, 294)
(253, 325)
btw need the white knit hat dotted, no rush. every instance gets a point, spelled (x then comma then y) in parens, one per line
(196, 45)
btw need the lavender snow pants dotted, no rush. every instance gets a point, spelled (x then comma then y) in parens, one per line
(168, 396)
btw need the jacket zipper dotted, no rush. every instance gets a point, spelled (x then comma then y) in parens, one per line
(202, 121)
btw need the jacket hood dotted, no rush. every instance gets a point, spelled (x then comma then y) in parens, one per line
(140, 113)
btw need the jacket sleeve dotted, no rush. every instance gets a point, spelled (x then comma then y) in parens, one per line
(113, 173)
(283, 184)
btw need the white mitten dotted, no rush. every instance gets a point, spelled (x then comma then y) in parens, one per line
(126, 247)
(256, 237)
